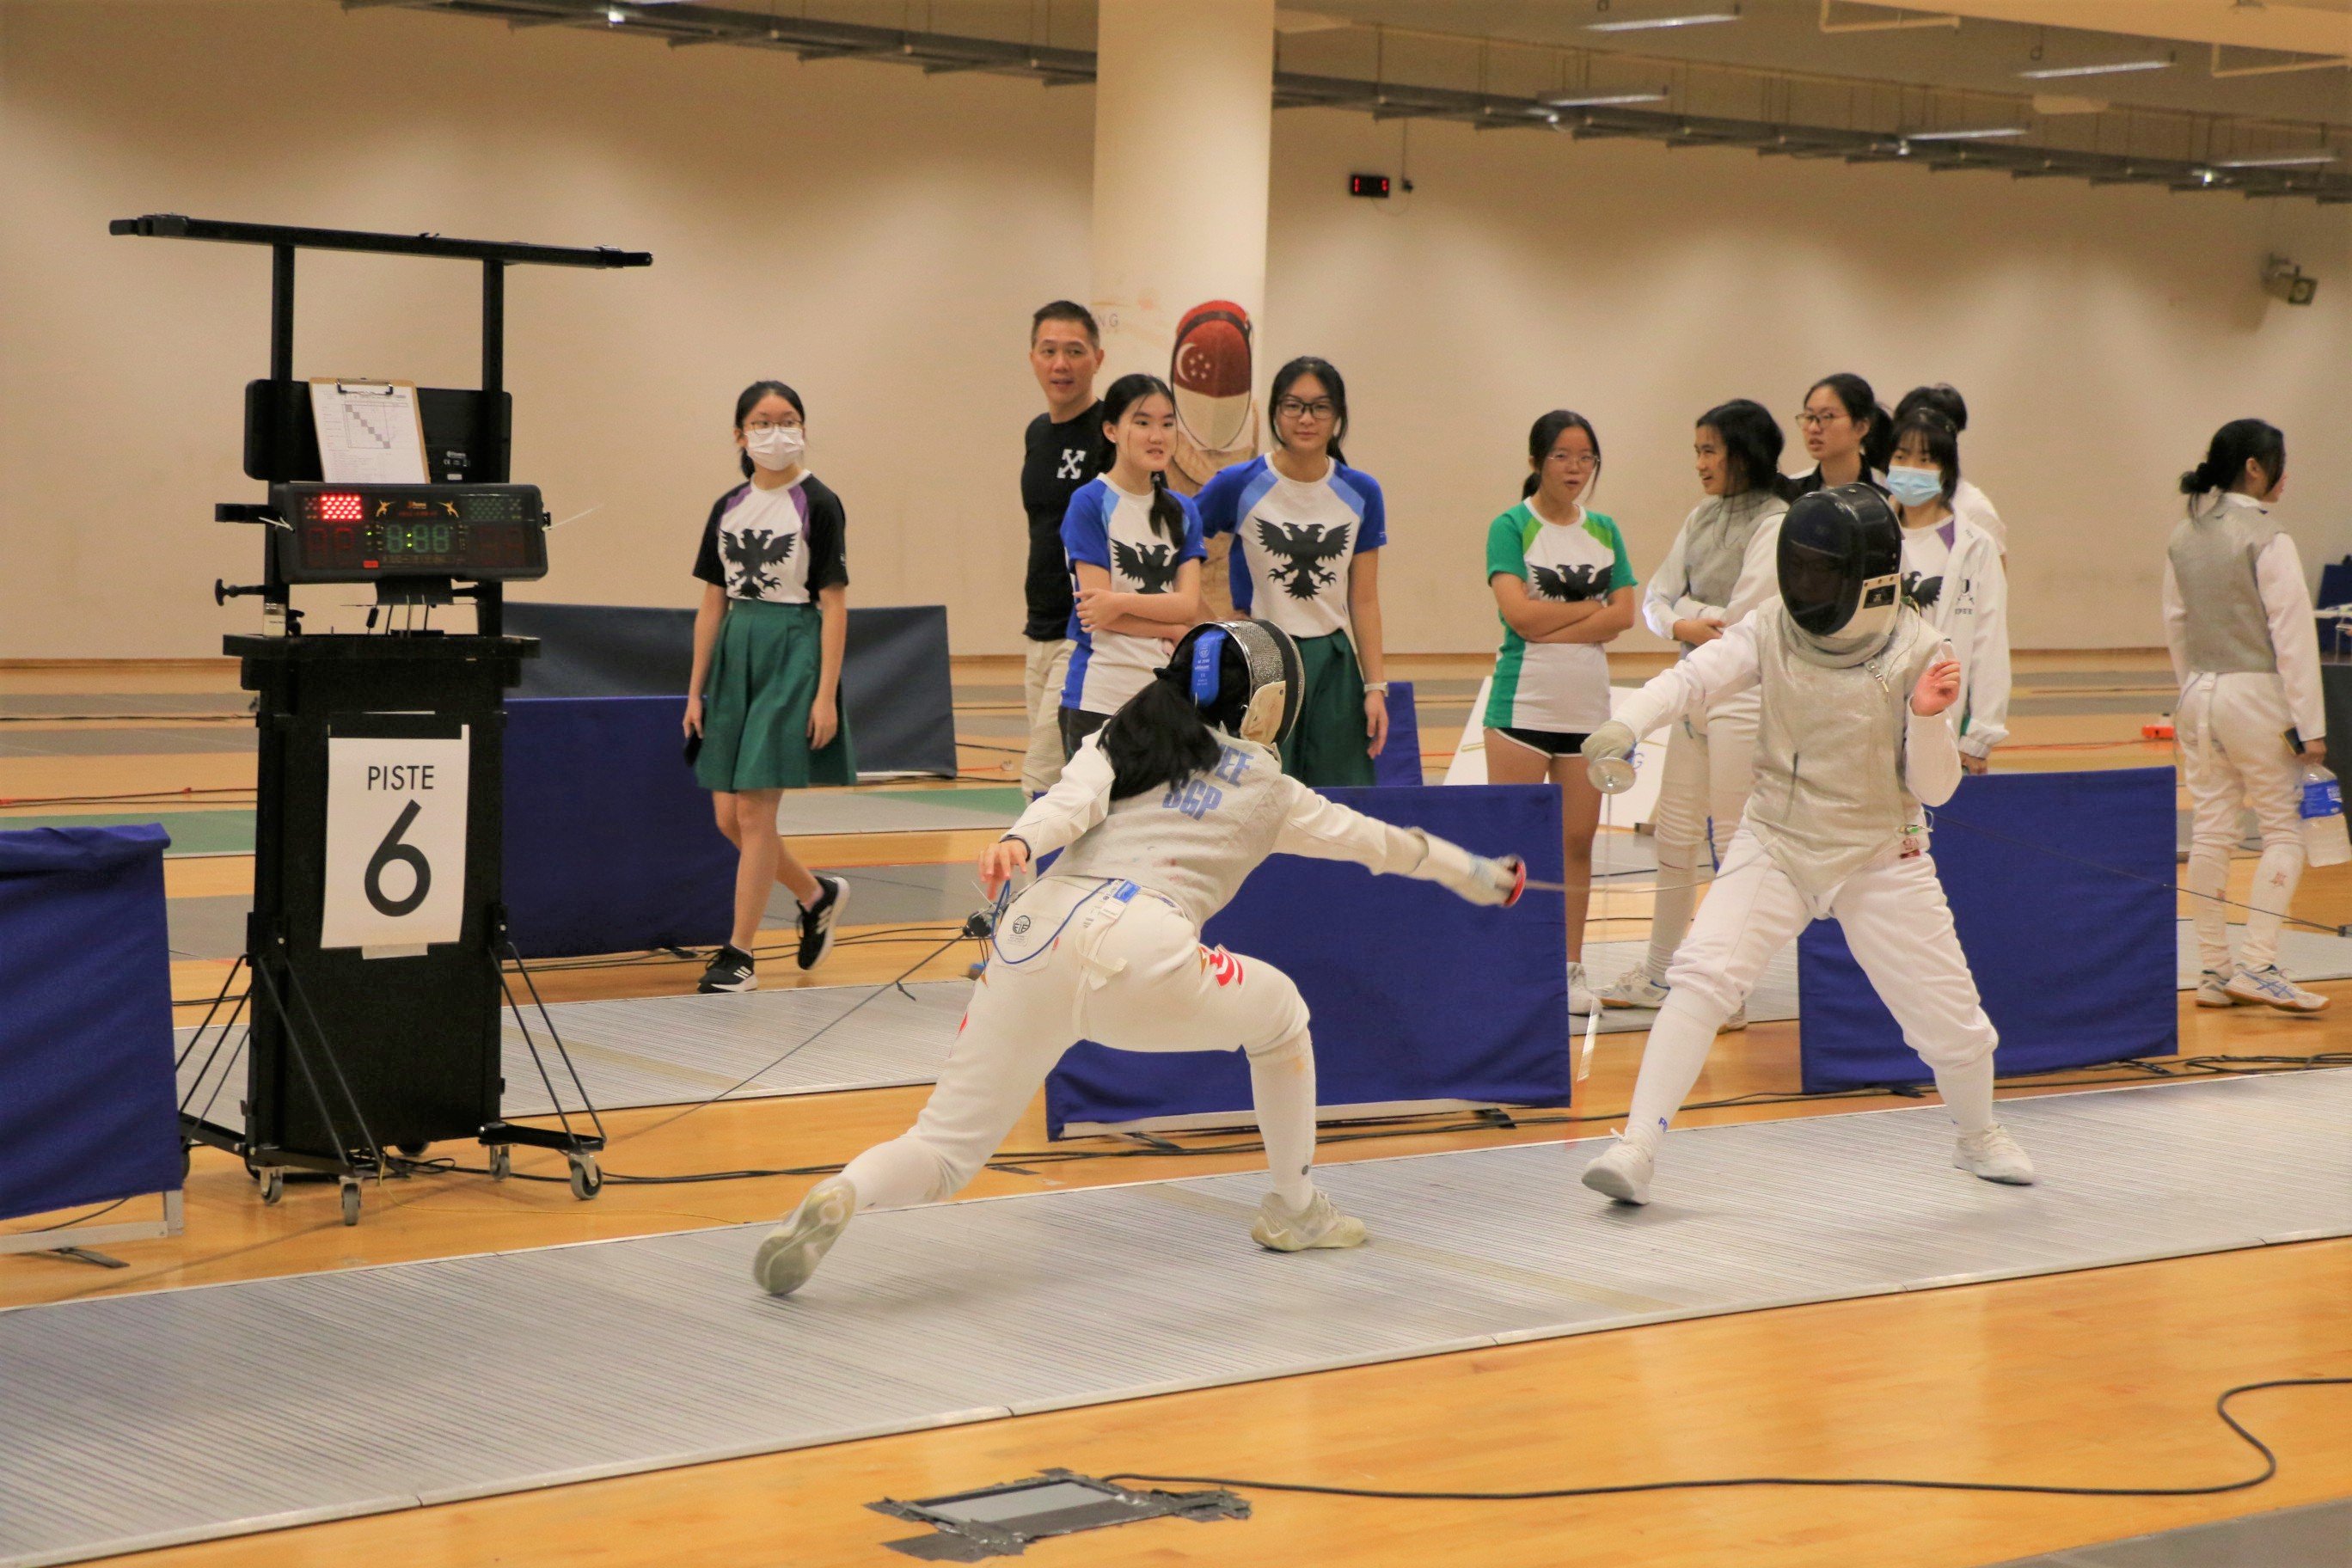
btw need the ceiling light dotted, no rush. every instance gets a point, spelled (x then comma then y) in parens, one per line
(1606, 100)
(1982, 133)
(2119, 68)
(2282, 160)
(1696, 20)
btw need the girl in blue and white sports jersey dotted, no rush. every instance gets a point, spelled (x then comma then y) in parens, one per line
(1135, 551)
(1307, 533)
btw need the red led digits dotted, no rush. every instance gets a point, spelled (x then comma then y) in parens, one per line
(337, 506)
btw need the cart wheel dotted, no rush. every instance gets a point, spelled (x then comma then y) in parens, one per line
(410, 1150)
(187, 1161)
(587, 1181)
(502, 1163)
(350, 1201)
(273, 1184)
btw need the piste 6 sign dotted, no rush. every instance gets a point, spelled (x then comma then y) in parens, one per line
(395, 842)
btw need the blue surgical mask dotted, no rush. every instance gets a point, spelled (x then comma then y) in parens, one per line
(1915, 487)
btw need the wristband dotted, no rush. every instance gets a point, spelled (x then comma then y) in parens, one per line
(1380, 686)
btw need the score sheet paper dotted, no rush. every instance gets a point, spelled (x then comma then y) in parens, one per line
(368, 432)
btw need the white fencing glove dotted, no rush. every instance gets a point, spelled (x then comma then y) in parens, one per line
(1482, 880)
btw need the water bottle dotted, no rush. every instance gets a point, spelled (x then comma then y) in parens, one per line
(2325, 841)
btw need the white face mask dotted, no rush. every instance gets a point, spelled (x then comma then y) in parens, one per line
(778, 448)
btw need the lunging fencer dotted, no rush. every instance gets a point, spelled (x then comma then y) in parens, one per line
(1158, 819)
(1852, 740)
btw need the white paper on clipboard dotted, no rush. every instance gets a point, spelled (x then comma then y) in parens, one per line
(368, 432)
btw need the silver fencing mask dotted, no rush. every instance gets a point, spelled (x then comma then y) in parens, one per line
(1244, 677)
(1840, 564)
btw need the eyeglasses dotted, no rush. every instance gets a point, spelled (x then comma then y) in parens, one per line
(762, 427)
(1292, 408)
(1808, 420)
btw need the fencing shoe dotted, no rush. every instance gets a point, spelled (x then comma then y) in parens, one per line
(1581, 999)
(1317, 1224)
(793, 1249)
(1634, 988)
(1736, 1022)
(1993, 1155)
(2272, 989)
(2213, 990)
(1622, 1173)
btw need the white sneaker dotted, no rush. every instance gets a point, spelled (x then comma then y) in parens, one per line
(1622, 1173)
(1993, 1155)
(1736, 1022)
(1634, 988)
(2272, 989)
(1580, 998)
(2213, 990)
(1317, 1225)
(793, 1249)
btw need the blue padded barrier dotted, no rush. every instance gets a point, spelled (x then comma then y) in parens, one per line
(610, 847)
(1400, 761)
(2062, 890)
(87, 1109)
(1416, 994)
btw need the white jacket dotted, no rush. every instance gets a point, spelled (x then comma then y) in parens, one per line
(1972, 612)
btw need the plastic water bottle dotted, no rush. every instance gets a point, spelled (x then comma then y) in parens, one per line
(2325, 841)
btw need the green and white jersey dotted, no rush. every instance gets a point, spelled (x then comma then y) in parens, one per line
(1559, 687)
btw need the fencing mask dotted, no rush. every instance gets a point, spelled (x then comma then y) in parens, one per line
(1244, 677)
(1841, 566)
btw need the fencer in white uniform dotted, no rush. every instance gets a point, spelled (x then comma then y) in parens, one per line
(1952, 574)
(1719, 568)
(1159, 817)
(2237, 620)
(1852, 740)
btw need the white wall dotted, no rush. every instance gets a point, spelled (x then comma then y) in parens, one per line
(877, 237)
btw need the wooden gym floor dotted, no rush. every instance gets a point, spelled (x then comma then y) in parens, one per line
(2100, 1377)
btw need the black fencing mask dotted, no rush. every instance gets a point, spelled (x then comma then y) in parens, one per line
(1840, 563)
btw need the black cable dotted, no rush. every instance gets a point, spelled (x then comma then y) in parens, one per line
(68, 1224)
(2220, 1408)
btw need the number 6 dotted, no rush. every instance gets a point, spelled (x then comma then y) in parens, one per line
(390, 850)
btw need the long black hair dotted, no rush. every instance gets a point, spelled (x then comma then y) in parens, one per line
(1167, 514)
(1159, 738)
(1752, 443)
(2234, 445)
(1861, 404)
(1324, 370)
(750, 399)
(1939, 437)
(1546, 431)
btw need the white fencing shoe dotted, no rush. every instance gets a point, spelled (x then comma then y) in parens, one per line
(1317, 1225)
(793, 1249)
(2272, 989)
(1622, 1173)
(1993, 1155)
(1634, 988)
(2213, 990)
(1580, 998)
(1736, 1022)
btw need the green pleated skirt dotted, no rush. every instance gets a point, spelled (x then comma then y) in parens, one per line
(755, 705)
(1327, 746)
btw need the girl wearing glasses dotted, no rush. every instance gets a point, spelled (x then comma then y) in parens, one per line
(1308, 530)
(1848, 434)
(764, 710)
(1564, 588)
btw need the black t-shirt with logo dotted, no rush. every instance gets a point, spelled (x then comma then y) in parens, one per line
(1060, 459)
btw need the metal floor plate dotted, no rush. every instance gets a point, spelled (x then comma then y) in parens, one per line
(186, 1415)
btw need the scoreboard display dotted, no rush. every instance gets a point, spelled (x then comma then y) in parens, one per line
(362, 534)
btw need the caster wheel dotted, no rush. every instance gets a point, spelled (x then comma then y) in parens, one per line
(502, 1163)
(273, 1184)
(587, 1181)
(187, 1159)
(409, 1149)
(351, 1201)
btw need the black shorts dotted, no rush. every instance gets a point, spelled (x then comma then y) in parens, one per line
(1550, 743)
(1076, 725)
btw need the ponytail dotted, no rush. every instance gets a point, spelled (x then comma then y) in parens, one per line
(1878, 446)
(2234, 445)
(1167, 512)
(1158, 738)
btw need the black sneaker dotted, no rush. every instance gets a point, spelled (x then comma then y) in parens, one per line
(817, 920)
(731, 969)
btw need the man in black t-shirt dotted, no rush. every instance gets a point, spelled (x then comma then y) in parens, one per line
(1064, 449)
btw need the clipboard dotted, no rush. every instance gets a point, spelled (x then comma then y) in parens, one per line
(369, 431)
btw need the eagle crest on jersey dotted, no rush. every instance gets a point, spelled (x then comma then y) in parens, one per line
(1153, 565)
(1303, 547)
(755, 549)
(1922, 591)
(1569, 582)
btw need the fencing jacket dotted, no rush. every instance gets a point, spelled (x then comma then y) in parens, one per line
(1971, 611)
(1843, 765)
(1198, 841)
(2235, 603)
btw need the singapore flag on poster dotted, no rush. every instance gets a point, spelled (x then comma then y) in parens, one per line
(395, 842)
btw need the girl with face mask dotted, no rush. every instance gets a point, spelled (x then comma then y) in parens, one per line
(764, 710)
(1952, 572)
(1158, 819)
(1719, 568)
